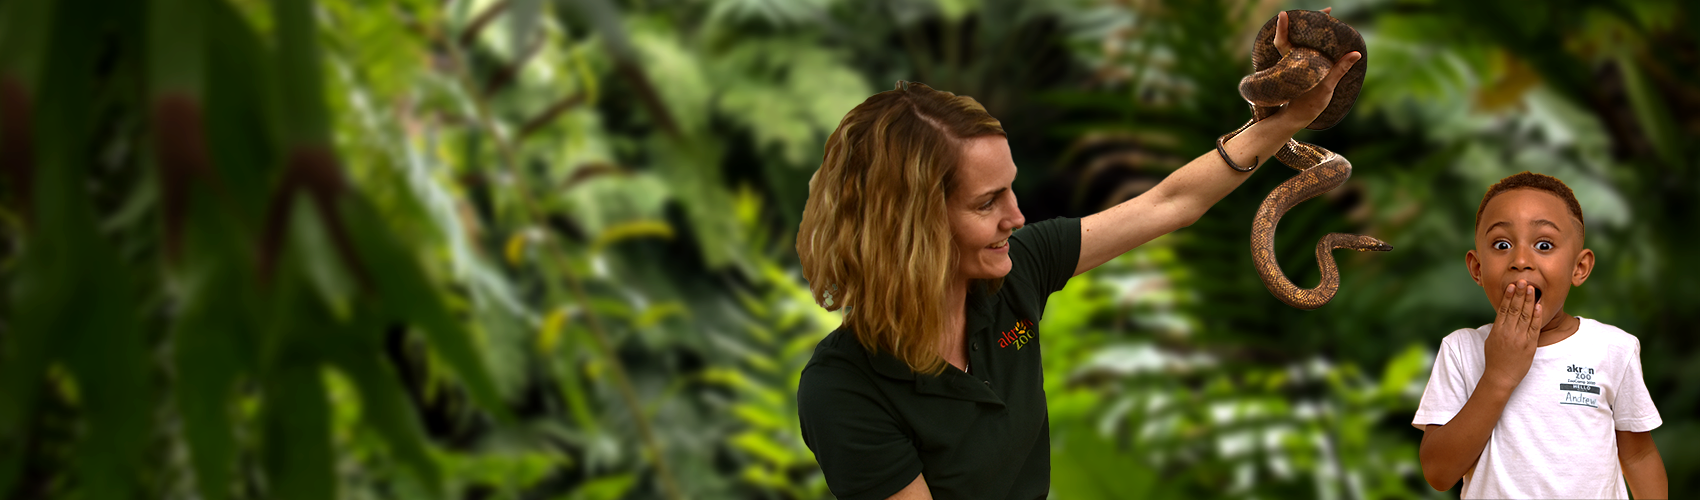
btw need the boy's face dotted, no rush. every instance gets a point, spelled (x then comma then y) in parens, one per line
(1528, 234)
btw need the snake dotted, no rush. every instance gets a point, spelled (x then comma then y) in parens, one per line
(1318, 40)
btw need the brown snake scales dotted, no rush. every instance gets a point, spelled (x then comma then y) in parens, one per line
(1317, 40)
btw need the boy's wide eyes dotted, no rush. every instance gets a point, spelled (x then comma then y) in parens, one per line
(1506, 245)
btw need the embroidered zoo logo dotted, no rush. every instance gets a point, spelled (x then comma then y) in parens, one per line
(1580, 389)
(1018, 336)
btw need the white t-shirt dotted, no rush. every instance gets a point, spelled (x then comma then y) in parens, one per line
(1555, 438)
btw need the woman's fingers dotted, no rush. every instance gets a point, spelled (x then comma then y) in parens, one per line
(1281, 43)
(1341, 67)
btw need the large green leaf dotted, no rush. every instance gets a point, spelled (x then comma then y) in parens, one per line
(208, 361)
(304, 113)
(298, 458)
(106, 353)
(25, 28)
(101, 344)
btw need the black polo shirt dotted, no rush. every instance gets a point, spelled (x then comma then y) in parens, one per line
(874, 425)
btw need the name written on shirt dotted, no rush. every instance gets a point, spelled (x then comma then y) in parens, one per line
(1580, 389)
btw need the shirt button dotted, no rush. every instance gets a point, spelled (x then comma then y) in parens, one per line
(988, 383)
(976, 346)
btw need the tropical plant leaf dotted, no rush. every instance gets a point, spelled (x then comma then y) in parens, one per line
(1651, 113)
(208, 362)
(383, 404)
(604, 488)
(406, 292)
(298, 458)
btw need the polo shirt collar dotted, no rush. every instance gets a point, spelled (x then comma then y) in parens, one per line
(952, 383)
(978, 312)
(957, 385)
(890, 366)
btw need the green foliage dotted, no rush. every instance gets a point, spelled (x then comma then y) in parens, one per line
(1458, 97)
(532, 249)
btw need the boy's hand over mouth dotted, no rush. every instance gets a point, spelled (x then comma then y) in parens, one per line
(1510, 345)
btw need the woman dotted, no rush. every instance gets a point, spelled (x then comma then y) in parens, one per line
(932, 386)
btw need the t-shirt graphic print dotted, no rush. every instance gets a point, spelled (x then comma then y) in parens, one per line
(1556, 437)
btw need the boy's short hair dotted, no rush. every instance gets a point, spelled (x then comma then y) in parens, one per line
(1529, 180)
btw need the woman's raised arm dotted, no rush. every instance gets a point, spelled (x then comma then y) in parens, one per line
(1187, 193)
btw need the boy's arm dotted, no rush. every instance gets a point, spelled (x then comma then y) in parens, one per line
(1642, 466)
(1449, 450)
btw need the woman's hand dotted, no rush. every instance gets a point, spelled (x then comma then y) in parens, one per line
(1302, 110)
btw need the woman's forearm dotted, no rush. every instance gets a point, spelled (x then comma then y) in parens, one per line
(1181, 198)
(1196, 187)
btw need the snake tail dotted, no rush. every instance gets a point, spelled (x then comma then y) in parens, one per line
(1309, 183)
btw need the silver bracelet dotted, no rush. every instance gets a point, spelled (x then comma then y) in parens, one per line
(1230, 161)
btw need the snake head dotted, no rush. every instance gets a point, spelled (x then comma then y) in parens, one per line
(1363, 243)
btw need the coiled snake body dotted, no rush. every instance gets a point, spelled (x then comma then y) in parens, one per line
(1317, 40)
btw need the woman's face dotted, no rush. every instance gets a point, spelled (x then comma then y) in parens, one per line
(982, 208)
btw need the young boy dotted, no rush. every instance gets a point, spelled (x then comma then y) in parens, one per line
(1540, 404)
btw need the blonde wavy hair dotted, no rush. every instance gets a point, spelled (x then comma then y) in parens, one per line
(875, 239)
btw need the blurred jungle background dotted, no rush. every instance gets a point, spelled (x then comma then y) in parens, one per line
(543, 249)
